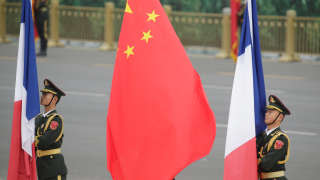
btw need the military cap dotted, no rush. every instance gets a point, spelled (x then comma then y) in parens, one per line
(50, 87)
(275, 103)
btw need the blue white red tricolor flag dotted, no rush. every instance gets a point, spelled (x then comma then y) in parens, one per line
(26, 103)
(246, 115)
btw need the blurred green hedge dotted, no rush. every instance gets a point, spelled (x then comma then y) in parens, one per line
(265, 7)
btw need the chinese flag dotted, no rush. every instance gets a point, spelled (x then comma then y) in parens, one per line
(235, 7)
(159, 120)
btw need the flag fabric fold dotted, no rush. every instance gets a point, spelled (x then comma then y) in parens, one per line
(248, 99)
(26, 103)
(159, 120)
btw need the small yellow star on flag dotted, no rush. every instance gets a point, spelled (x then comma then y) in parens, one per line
(128, 9)
(129, 51)
(152, 16)
(146, 36)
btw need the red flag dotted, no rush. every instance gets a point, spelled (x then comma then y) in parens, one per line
(159, 120)
(35, 29)
(235, 7)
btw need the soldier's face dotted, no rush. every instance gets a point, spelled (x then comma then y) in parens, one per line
(271, 115)
(46, 98)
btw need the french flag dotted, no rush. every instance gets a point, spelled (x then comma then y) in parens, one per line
(248, 100)
(22, 164)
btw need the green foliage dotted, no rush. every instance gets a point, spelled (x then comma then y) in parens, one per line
(177, 5)
(215, 6)
(307, 7)
(279, 7)
(94, 3)
(265, 7)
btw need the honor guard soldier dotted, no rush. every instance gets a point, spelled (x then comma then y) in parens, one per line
(41, 13)
(241, 13)
(49, 134)
(273, 145)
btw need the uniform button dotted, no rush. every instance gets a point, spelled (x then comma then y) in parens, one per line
(51, 157)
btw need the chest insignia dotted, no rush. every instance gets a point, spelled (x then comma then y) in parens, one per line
(54, 125)
(278, 144)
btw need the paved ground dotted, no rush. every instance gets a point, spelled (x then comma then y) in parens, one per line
(85, 74)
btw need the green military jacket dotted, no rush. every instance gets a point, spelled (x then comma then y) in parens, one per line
(273, 152)
(48, 141)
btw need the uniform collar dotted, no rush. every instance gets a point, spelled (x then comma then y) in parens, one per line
(47, 113)
(268, 132)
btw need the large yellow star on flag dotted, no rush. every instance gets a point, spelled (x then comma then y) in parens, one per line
(152, 16)
(129, 51)
(146, 36)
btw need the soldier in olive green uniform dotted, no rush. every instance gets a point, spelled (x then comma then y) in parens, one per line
(273, 145)
(41, 14)
(48, 136)
(241, 13)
